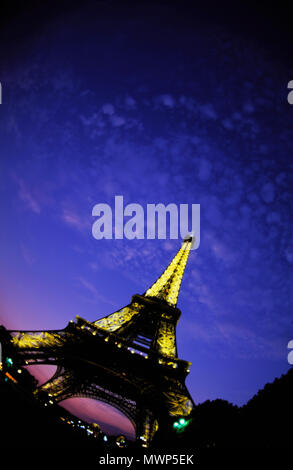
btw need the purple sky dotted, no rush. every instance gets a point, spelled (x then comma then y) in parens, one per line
(156, 108)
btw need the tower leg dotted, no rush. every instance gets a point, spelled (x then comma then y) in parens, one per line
(147, 426)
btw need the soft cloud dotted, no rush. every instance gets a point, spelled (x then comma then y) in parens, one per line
(208, 111)
(26, 195)
(27, 255)
(204, 169)
(268, 192)
(72, 219)
(117, 121)
(130, 102)
(166, 100)
(108, 109)
(94, 291)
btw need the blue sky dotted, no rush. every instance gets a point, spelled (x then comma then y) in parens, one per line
(157, 109)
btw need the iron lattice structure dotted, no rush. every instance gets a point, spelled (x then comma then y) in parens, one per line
(127, 359)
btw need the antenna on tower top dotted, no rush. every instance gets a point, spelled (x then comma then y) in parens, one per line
(189, 238)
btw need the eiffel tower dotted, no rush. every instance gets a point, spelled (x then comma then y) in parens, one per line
(127, 359)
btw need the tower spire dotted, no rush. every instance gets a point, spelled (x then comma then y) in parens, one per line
(167, 286)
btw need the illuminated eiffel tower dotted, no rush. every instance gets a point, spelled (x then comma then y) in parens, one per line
(127, 359)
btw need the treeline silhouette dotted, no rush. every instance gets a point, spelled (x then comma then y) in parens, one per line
(261, 424)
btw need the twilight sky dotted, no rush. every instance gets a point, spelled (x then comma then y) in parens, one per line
(157, 104)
